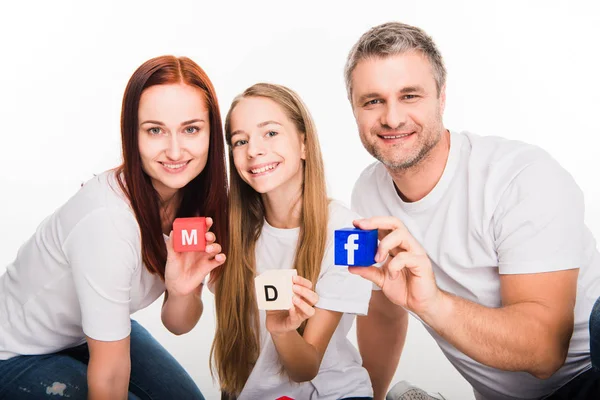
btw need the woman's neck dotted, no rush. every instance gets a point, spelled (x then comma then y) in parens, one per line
(168, 210)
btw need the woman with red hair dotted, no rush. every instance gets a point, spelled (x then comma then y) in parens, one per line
(66, 300)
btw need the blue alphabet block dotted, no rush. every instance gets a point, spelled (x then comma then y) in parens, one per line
(355, 247)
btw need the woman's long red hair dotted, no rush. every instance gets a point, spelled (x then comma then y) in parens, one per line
(206, 195)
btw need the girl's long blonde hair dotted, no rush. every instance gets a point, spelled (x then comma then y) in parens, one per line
(236, 345)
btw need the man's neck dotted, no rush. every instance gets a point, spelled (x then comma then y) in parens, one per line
(415, 183)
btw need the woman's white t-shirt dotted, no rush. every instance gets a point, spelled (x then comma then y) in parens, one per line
(341, 373)
(81, 273)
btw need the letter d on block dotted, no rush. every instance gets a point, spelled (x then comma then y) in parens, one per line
(274, 289)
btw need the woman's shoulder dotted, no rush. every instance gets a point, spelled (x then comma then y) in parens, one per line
(102, 197)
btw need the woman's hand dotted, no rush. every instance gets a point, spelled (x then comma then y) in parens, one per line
(185, 271)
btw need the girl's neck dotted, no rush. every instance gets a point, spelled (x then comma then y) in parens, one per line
(283, 210)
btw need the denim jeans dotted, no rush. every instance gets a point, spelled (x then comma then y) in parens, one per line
(155, 374)
(595, 335)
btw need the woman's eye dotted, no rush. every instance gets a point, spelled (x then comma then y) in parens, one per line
(239, 143)
(271, 133)
(191, 130)
(154, 131)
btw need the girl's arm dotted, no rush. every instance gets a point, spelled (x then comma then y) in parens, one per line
(301, 355)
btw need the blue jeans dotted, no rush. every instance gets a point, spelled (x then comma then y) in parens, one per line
(595, 335)
(155, 374)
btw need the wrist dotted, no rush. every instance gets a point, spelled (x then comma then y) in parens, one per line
(282, 335)
(438, 311)
(175, 296)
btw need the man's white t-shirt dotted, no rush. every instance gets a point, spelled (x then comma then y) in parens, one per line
(81, 273)
(500, 207)
(341, 373)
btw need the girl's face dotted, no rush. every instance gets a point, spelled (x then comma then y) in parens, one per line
(268, 150)
(174, 135)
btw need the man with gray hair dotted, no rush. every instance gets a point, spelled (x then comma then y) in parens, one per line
(482, 238)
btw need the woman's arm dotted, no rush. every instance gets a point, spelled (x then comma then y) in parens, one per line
(184, 277)
(108, 369)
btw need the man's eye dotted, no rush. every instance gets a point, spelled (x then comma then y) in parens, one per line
(372, 102)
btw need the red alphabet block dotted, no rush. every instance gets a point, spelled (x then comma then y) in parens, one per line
(189, 234)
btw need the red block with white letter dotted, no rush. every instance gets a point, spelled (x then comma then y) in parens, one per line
(189, 234)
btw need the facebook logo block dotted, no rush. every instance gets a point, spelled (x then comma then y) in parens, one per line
(355, 247)
(189, 234)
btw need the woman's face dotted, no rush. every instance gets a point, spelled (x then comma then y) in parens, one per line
(267, 148)
(173, 136)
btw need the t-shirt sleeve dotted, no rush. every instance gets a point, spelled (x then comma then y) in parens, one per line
(338, 289)
(359, 206)
(341, 291)
(539, 221)
(102, 259)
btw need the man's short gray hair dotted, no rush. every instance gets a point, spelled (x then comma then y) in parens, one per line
(393, 38)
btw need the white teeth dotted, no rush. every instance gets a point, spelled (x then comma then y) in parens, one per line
(174, 166)
(263, 169)
(396, 137)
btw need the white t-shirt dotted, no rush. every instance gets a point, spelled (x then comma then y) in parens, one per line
(500, 207)
(81, 273)
(341, 373)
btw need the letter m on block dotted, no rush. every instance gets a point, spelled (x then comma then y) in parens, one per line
(189, 234)
(189, 239)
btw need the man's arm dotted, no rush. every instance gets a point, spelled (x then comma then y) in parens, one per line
(386, 323)
(530, 332)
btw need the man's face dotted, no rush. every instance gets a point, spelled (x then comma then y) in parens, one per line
(397, 108)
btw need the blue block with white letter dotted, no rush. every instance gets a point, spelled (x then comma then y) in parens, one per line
(355, 247)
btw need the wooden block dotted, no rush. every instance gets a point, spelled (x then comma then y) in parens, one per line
(189, 234)
(274, 289)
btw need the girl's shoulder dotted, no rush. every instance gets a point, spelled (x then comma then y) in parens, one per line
(340, 215)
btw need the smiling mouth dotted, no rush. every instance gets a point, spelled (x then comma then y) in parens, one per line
(263, 169)
(396, 136)
(175, 166)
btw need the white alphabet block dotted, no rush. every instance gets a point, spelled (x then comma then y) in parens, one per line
(274, 289)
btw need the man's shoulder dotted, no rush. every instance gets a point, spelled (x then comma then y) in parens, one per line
(498, 151)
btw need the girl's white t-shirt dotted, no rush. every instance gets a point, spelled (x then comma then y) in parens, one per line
(81, 273)
(341, 373)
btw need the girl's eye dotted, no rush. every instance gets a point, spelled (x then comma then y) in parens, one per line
(239, 143)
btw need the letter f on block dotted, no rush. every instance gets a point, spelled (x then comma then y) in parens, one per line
(188, 239)
(350, 246)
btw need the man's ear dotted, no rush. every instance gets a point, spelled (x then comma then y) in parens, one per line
(443, 99)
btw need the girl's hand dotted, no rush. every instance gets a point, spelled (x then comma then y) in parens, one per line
(282, 321)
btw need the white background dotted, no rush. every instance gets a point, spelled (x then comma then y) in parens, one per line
(525, 70)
